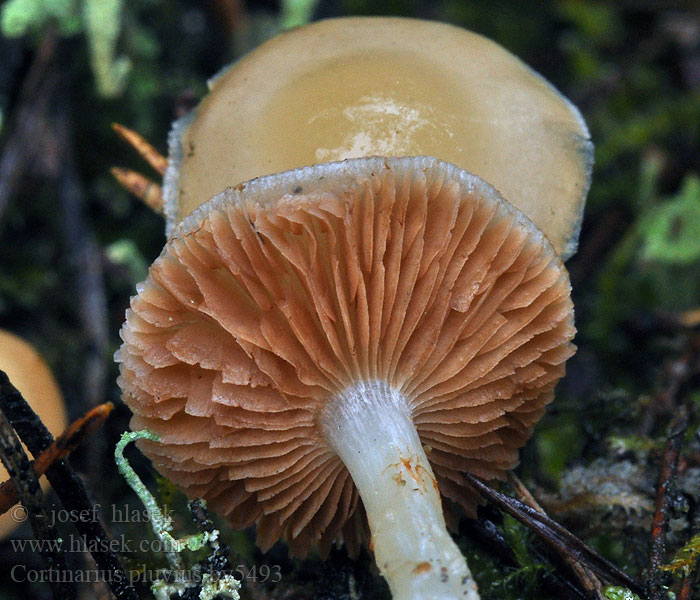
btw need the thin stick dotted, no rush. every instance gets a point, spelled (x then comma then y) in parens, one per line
(659, 525)
(587, 578)
(489, 537)
(145, 150)
(674, 378)
(149, 192)
(686, 587)
(555, 535)
(69, 488)
(29, 491)
(62, 446)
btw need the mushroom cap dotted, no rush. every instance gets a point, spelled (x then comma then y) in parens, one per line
(352, 87)
(29, 373)
(278, 294)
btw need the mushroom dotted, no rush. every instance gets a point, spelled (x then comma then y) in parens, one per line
(28, 372)
(352, 87)
(323, 351)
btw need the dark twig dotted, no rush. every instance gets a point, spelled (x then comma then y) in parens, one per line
(487, 535)
(674, 376)
(62, 446)
(556, 536)
(86, 258)
(69, 488)
(587, 578)
(24, 147)
(685, 593)
(28, 489)
(674, 444)
(230, 14)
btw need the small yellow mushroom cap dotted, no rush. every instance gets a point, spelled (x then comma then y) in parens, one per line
(353, 87)
(29, 373)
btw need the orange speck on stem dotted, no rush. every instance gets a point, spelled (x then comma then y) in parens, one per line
(397, 477)
(423, 567)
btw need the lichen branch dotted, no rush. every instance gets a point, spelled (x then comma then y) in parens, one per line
(224, 586)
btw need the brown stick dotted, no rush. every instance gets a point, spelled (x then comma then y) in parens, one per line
(588, 579)
(16, 461)
(659, 524)
(555, 535)
(147, 152)
(140, 186)
(231, 14)
(674, 377)
(68, 487)
(62, 446)
(686, 588)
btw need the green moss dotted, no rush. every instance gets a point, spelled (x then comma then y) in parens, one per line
(599, 22)
(618, 593)
(102, 20)
(20, 17)
(557, 444)
(671, 232)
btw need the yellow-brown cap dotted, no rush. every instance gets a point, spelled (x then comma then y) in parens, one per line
(29, 373)
(352, 87)
(270, 300)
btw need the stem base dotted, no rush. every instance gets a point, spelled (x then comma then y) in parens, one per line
(370, 427)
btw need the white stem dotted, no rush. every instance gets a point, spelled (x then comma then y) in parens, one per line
(370, 427)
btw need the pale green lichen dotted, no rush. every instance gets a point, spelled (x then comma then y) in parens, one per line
(19, 17)
(296, 13)
(162, 523)
(125, 252)
(219, 587)
(686, 558)
(225, 586)
(612, 592)
(639, 446)
(102, 23)
(604, 485)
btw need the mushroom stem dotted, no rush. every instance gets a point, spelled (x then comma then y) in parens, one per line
(371, 429)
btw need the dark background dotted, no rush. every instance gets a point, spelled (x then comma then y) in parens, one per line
(73, 245)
